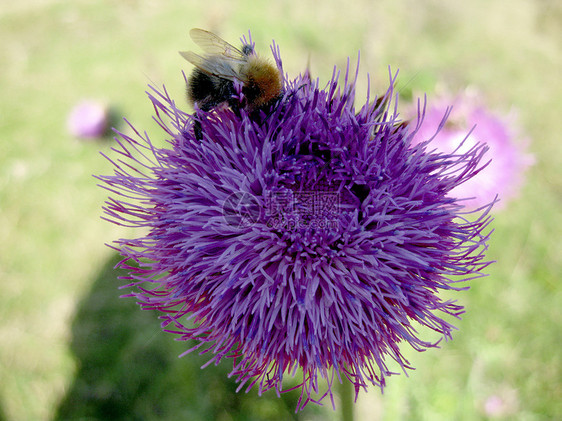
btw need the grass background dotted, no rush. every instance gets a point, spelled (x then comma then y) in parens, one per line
(70, 349)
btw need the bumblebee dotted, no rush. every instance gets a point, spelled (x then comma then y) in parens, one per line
(212, 81)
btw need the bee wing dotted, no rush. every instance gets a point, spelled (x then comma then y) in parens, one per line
(214, 45)
(215, 65)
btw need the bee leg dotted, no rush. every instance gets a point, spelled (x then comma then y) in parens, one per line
(198, 116)
(197, 129)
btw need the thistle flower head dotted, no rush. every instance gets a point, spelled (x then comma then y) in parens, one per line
(311, 239)
(88, 119)
(504, 175)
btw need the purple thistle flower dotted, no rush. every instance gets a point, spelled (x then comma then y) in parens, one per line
(313, 237)
(88, 119)
(504, 175)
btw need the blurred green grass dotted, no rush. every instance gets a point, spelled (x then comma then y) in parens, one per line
(52, 253)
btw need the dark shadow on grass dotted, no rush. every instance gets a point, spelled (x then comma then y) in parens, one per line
(2, 413)
(127, 369)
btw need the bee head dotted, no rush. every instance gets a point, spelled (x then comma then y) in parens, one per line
(247, 49)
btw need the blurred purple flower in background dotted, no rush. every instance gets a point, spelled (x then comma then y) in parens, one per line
(504, 175)
(88, 119)
(504, 403)
(309, 240)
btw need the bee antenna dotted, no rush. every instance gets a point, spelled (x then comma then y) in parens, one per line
(408, 82)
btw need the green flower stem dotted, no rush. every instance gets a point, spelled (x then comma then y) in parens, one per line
(346, 398)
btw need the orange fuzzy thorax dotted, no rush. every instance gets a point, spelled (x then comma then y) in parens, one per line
(264, 80)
